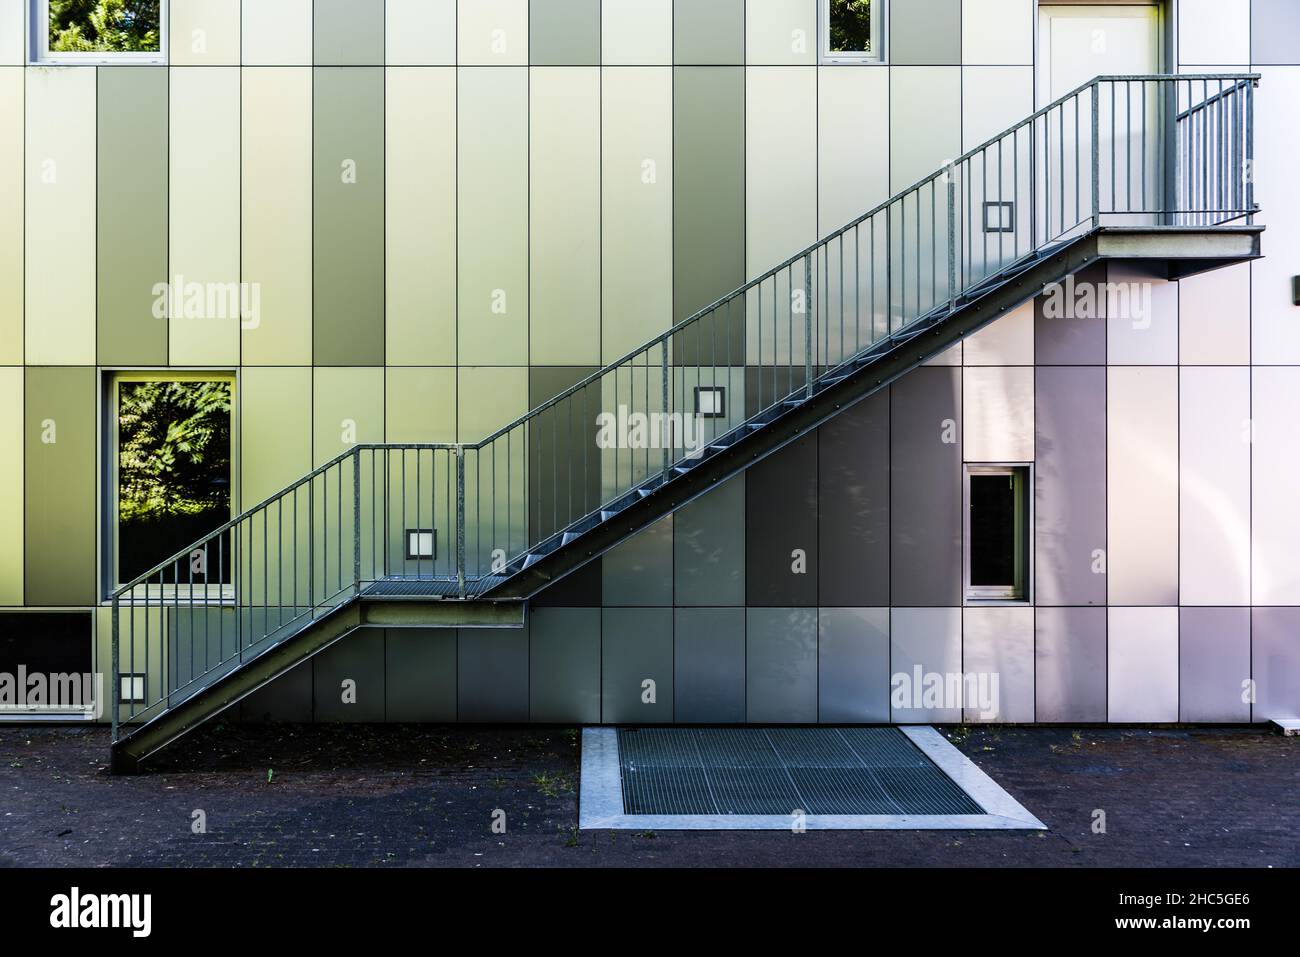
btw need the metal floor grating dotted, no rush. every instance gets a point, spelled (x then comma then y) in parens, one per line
(777, 771)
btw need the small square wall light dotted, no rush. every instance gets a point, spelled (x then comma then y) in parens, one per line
(1000, 216)
(133, 689)
(710, 401)
(421, 543)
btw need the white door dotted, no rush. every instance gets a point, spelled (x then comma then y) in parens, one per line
(1077, 43)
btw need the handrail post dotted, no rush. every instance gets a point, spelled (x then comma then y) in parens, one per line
(1250, 152)
(668, 445)
(117, 669)
(1169, 150)
(1096, 153)
(808, 324)
(952, 238)
(356, 518)
(460, 519)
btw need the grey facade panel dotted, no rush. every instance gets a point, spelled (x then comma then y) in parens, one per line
(492, 674)
(1274, 32)
(853, 506)
(348, 216)
(925, 33)
(348, 32)
(709, 665)
(925, 496)
(639, 571)
(636, 647)
(781, 528)
(781, 665)
(709, 548)
(1069, 485)
(564, 665)
(421, 674)
(288, 698)
(564, 32)
(853, 665)
(1070, 664)
(359, 661)
(1213, 664)
(708, 33)
(1275, 662)
(1073, 334)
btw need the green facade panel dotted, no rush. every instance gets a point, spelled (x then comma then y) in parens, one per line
(708, 207)
(564, 665)
(131, 216)
(636, 665)
(420, 674)
(59, 477)
(348, 216)
(708, 33)
(348, 679)
(348, 32)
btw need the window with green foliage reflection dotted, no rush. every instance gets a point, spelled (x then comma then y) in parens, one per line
(173, 472)
(108, 26)
(850, 26)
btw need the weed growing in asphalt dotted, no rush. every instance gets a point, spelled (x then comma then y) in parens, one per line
(553, 785)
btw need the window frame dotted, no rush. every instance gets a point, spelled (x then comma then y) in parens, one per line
(878, 26)
(39, 54)
(1021, 591)
(216, 592)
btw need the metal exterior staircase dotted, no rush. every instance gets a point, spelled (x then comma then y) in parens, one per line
(1153, 168)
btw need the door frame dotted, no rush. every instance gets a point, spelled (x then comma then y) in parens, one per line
(1165, 51)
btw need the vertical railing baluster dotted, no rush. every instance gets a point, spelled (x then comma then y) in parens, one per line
(460, 520)
(356, 519)
(807, 324)
(952, 237)
(1096, 155)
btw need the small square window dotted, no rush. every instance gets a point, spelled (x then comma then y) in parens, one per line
(710, 401)
(421, 543)
(133, 689)
(998, 520)
(76, 31)
(850, 31)
(999, 216)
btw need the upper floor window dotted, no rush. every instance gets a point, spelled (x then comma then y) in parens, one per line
(850, 31)
(99, 31)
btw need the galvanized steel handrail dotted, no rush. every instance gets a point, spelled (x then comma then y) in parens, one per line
(368, 520)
